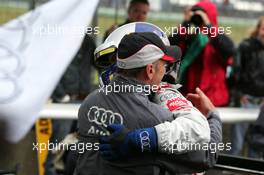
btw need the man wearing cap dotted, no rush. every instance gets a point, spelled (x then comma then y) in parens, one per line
(142, 60)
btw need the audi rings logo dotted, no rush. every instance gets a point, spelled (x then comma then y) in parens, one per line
(103, 117)
(167, 96)
(145, 141)
(12, 62)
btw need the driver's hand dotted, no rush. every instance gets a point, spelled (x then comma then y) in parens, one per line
(201, 101)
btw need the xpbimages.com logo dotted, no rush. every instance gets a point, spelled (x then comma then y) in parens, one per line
(189, 146)
(50, 146)
(129, 88)
(59, 30)
(213, 31)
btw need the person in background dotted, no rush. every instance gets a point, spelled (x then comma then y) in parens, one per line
(249, 76)
(74, 86)
(205, 55)
(137, 12)
(256, 135)
(76, 82)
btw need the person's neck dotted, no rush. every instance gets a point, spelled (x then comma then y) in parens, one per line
(131, 79)
(143, 80)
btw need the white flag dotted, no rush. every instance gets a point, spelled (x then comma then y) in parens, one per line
(35, 50)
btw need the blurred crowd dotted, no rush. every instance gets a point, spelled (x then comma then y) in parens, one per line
(229, 75)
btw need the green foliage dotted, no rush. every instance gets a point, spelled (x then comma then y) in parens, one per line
(8, 13)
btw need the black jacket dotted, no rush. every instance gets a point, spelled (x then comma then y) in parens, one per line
(77, 78)
(256, 133)
(249, 67)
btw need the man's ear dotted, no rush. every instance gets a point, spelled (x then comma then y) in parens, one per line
(150, 71)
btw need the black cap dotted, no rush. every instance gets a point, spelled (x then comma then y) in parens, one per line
(139, 49)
